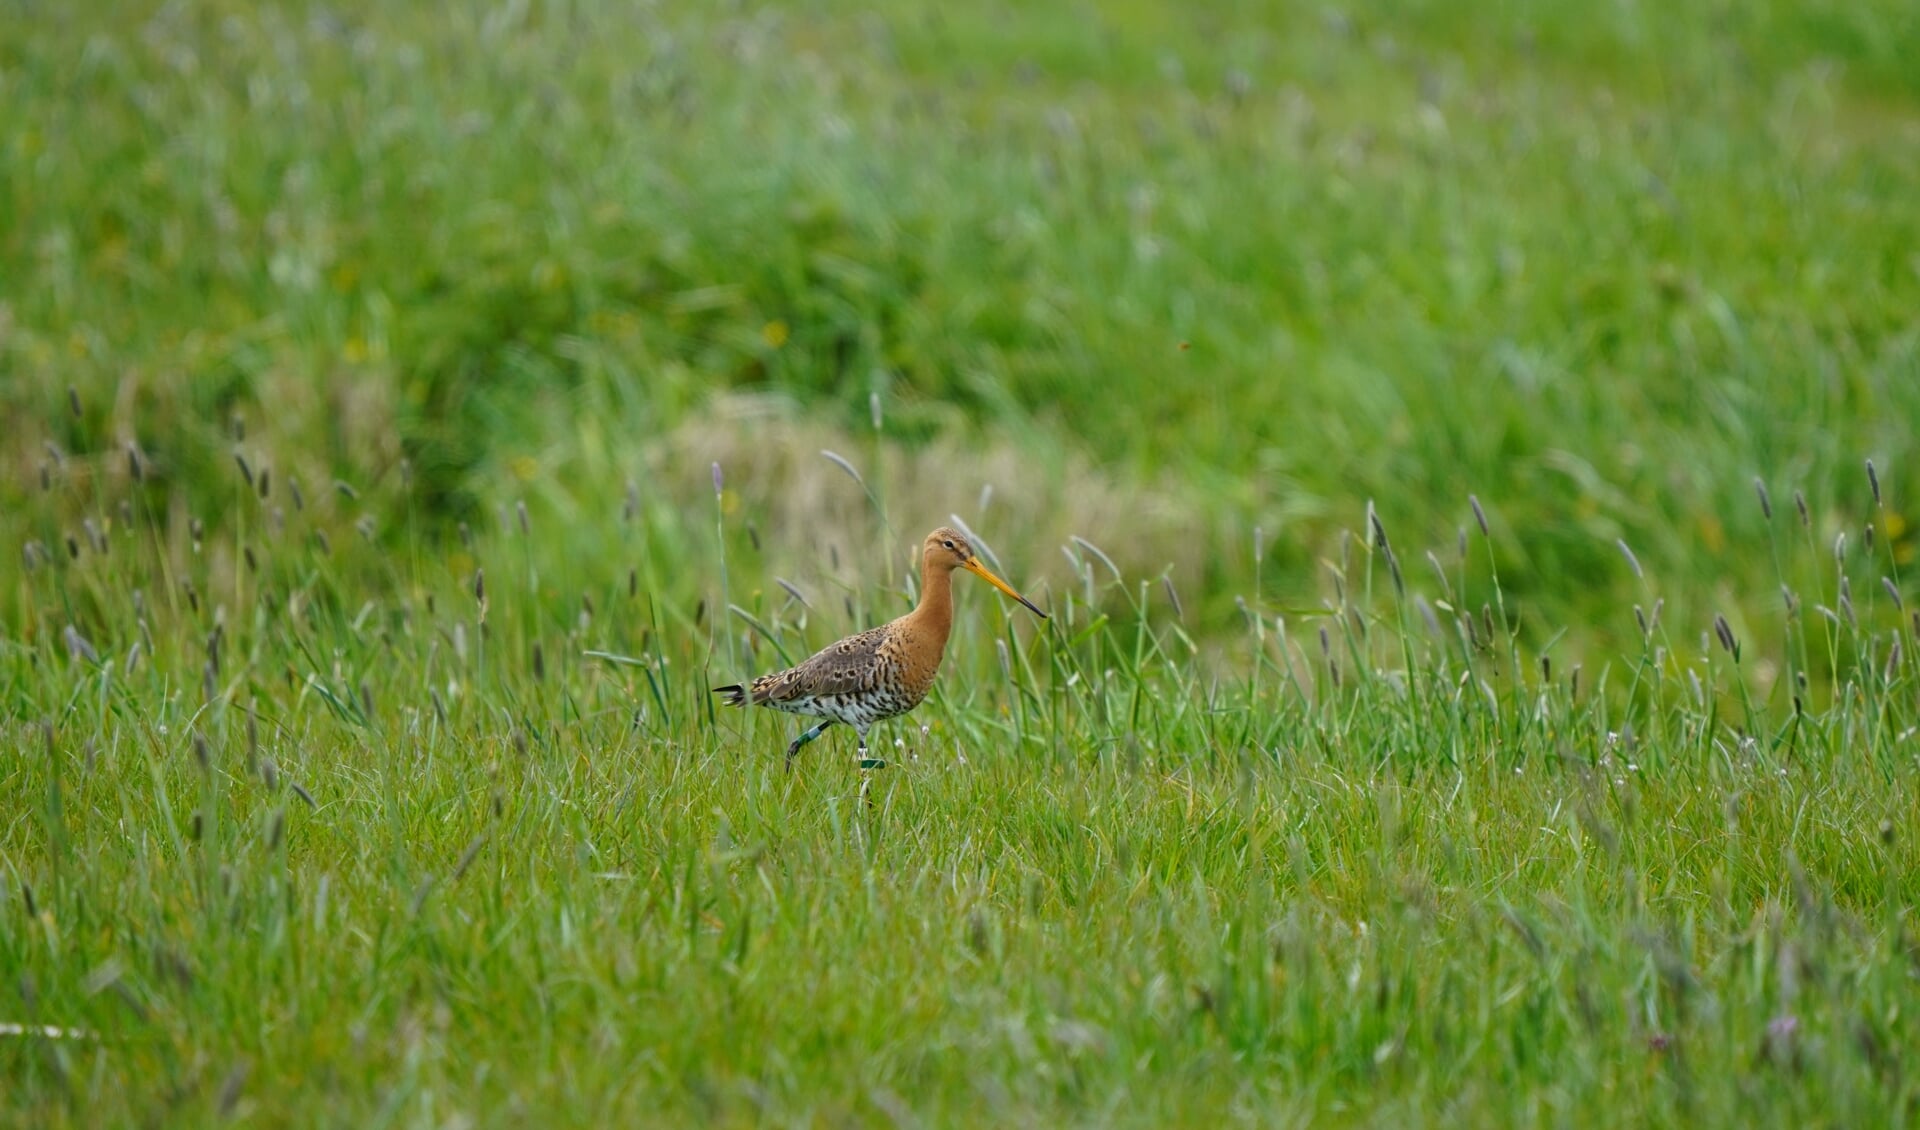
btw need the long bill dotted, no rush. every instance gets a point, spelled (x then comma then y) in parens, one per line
(972, 565)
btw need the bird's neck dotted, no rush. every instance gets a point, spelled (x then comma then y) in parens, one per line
(934, 613)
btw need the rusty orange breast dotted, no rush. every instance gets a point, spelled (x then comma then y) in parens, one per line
(914, 649)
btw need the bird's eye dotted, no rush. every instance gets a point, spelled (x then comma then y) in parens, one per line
(948, 543)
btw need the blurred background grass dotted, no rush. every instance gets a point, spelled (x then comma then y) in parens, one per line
(1157, 274)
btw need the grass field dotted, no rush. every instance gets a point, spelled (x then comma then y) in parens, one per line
(412, 411)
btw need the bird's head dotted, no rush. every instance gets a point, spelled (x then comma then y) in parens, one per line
(947, 548)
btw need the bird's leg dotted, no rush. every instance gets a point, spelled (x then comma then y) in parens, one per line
(867, 762)
(805, 737)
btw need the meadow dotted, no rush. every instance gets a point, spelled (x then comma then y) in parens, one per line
(1466, 451)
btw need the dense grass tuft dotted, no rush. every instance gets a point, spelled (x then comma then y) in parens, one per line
(310, 830)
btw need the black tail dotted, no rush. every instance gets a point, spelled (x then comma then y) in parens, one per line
(736, 694)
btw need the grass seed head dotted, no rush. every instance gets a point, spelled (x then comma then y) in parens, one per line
(832, 457)
(1893, 592)
(1800, 504)
(78, 646)
(468, 856)
(1427, 614)
(1479, 515)
(1446, 587)
(1766, 503)
(1873, 480)
(1725, 632)
(1632, 561)
(1096, 551)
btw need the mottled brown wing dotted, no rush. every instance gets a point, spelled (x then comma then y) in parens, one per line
(848, 667)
